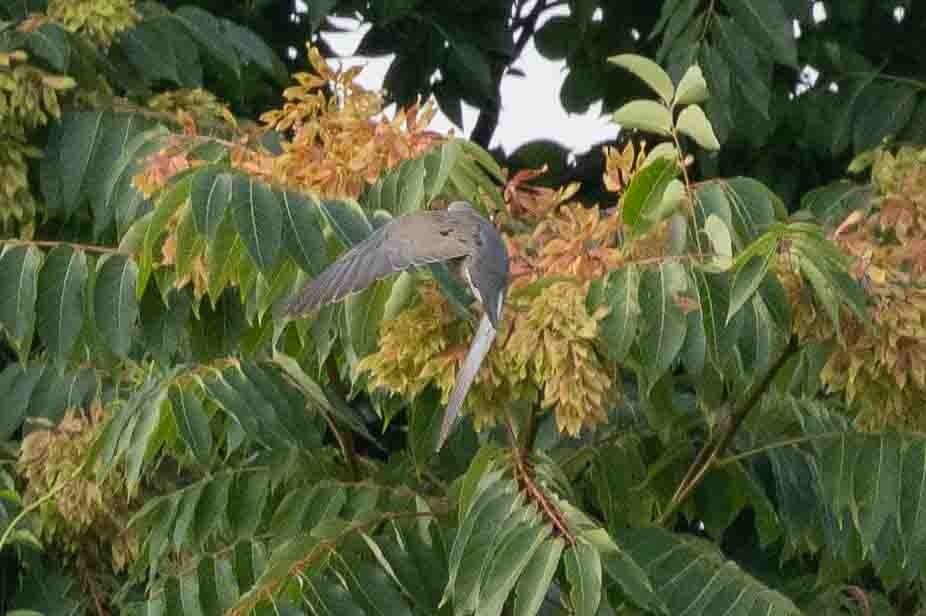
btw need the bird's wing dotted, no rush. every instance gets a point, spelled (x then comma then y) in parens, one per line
(406, 242)
(477, 352)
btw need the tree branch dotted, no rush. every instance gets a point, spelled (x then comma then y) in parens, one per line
(715, 447)
(487, 122)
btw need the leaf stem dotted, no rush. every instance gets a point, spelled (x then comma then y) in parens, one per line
(797, 440)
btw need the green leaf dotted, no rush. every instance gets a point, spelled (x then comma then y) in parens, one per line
(693, 122)
(877, 485)
(19, 277)
(438, 162)
(347, 219)
(322, 398)
(206, 30)
(469, 64)
(663, 324)
(210, 195)
(534, 584)
(831, 204)
(749, 277)
(692, 577)
(736, 48)
(115, 302)
(50, 43)
(192, 423)
(60, 309)
(648, 71)
(167, 205)
(246, 501)
(17, 386)
(189, 244)
(302, 232)
(259, 220)
(645, 115)
(619, 292)
(713, 293)
(692, 89)
(884, 111)
(556, 37)
(508, 563)
(364, 312)
(411, 193)
(719, 234)
(768, 25)
(583, 571)
(645, 193)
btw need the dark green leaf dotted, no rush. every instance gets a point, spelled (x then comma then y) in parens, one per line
(19, 277)
(115, 303)
(259, 220)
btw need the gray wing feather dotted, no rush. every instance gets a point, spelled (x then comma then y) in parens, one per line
(477, 352)
(406, 242)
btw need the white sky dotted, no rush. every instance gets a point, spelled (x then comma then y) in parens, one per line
(531, 107)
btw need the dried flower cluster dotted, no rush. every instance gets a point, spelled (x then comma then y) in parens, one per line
(86, 518)
(882, 370)
(341, 141)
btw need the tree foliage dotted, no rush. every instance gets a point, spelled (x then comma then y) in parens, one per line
(704, 397)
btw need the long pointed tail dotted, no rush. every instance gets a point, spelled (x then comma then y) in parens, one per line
(477, 352)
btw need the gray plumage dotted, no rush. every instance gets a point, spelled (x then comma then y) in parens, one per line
(459, 236)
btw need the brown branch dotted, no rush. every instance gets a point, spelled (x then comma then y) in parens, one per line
(487, 121)
(522, 474)
(54, 244)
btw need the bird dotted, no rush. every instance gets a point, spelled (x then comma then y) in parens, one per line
(458, 236)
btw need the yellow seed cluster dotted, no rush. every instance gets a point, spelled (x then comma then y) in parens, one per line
(203, 105)
(553, 347)
(544, 351)
(28, 99)
(100, 21)
(882, 371)
(86, 518)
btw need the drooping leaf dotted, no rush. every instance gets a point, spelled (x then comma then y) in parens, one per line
(619, 292)
(210, 196)
(302, 233)
(663, 324)
(768, 25)
(259, 220)
(59, 308)
(691, 576)
(583, 570)
(115, 302)
(19, 276)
